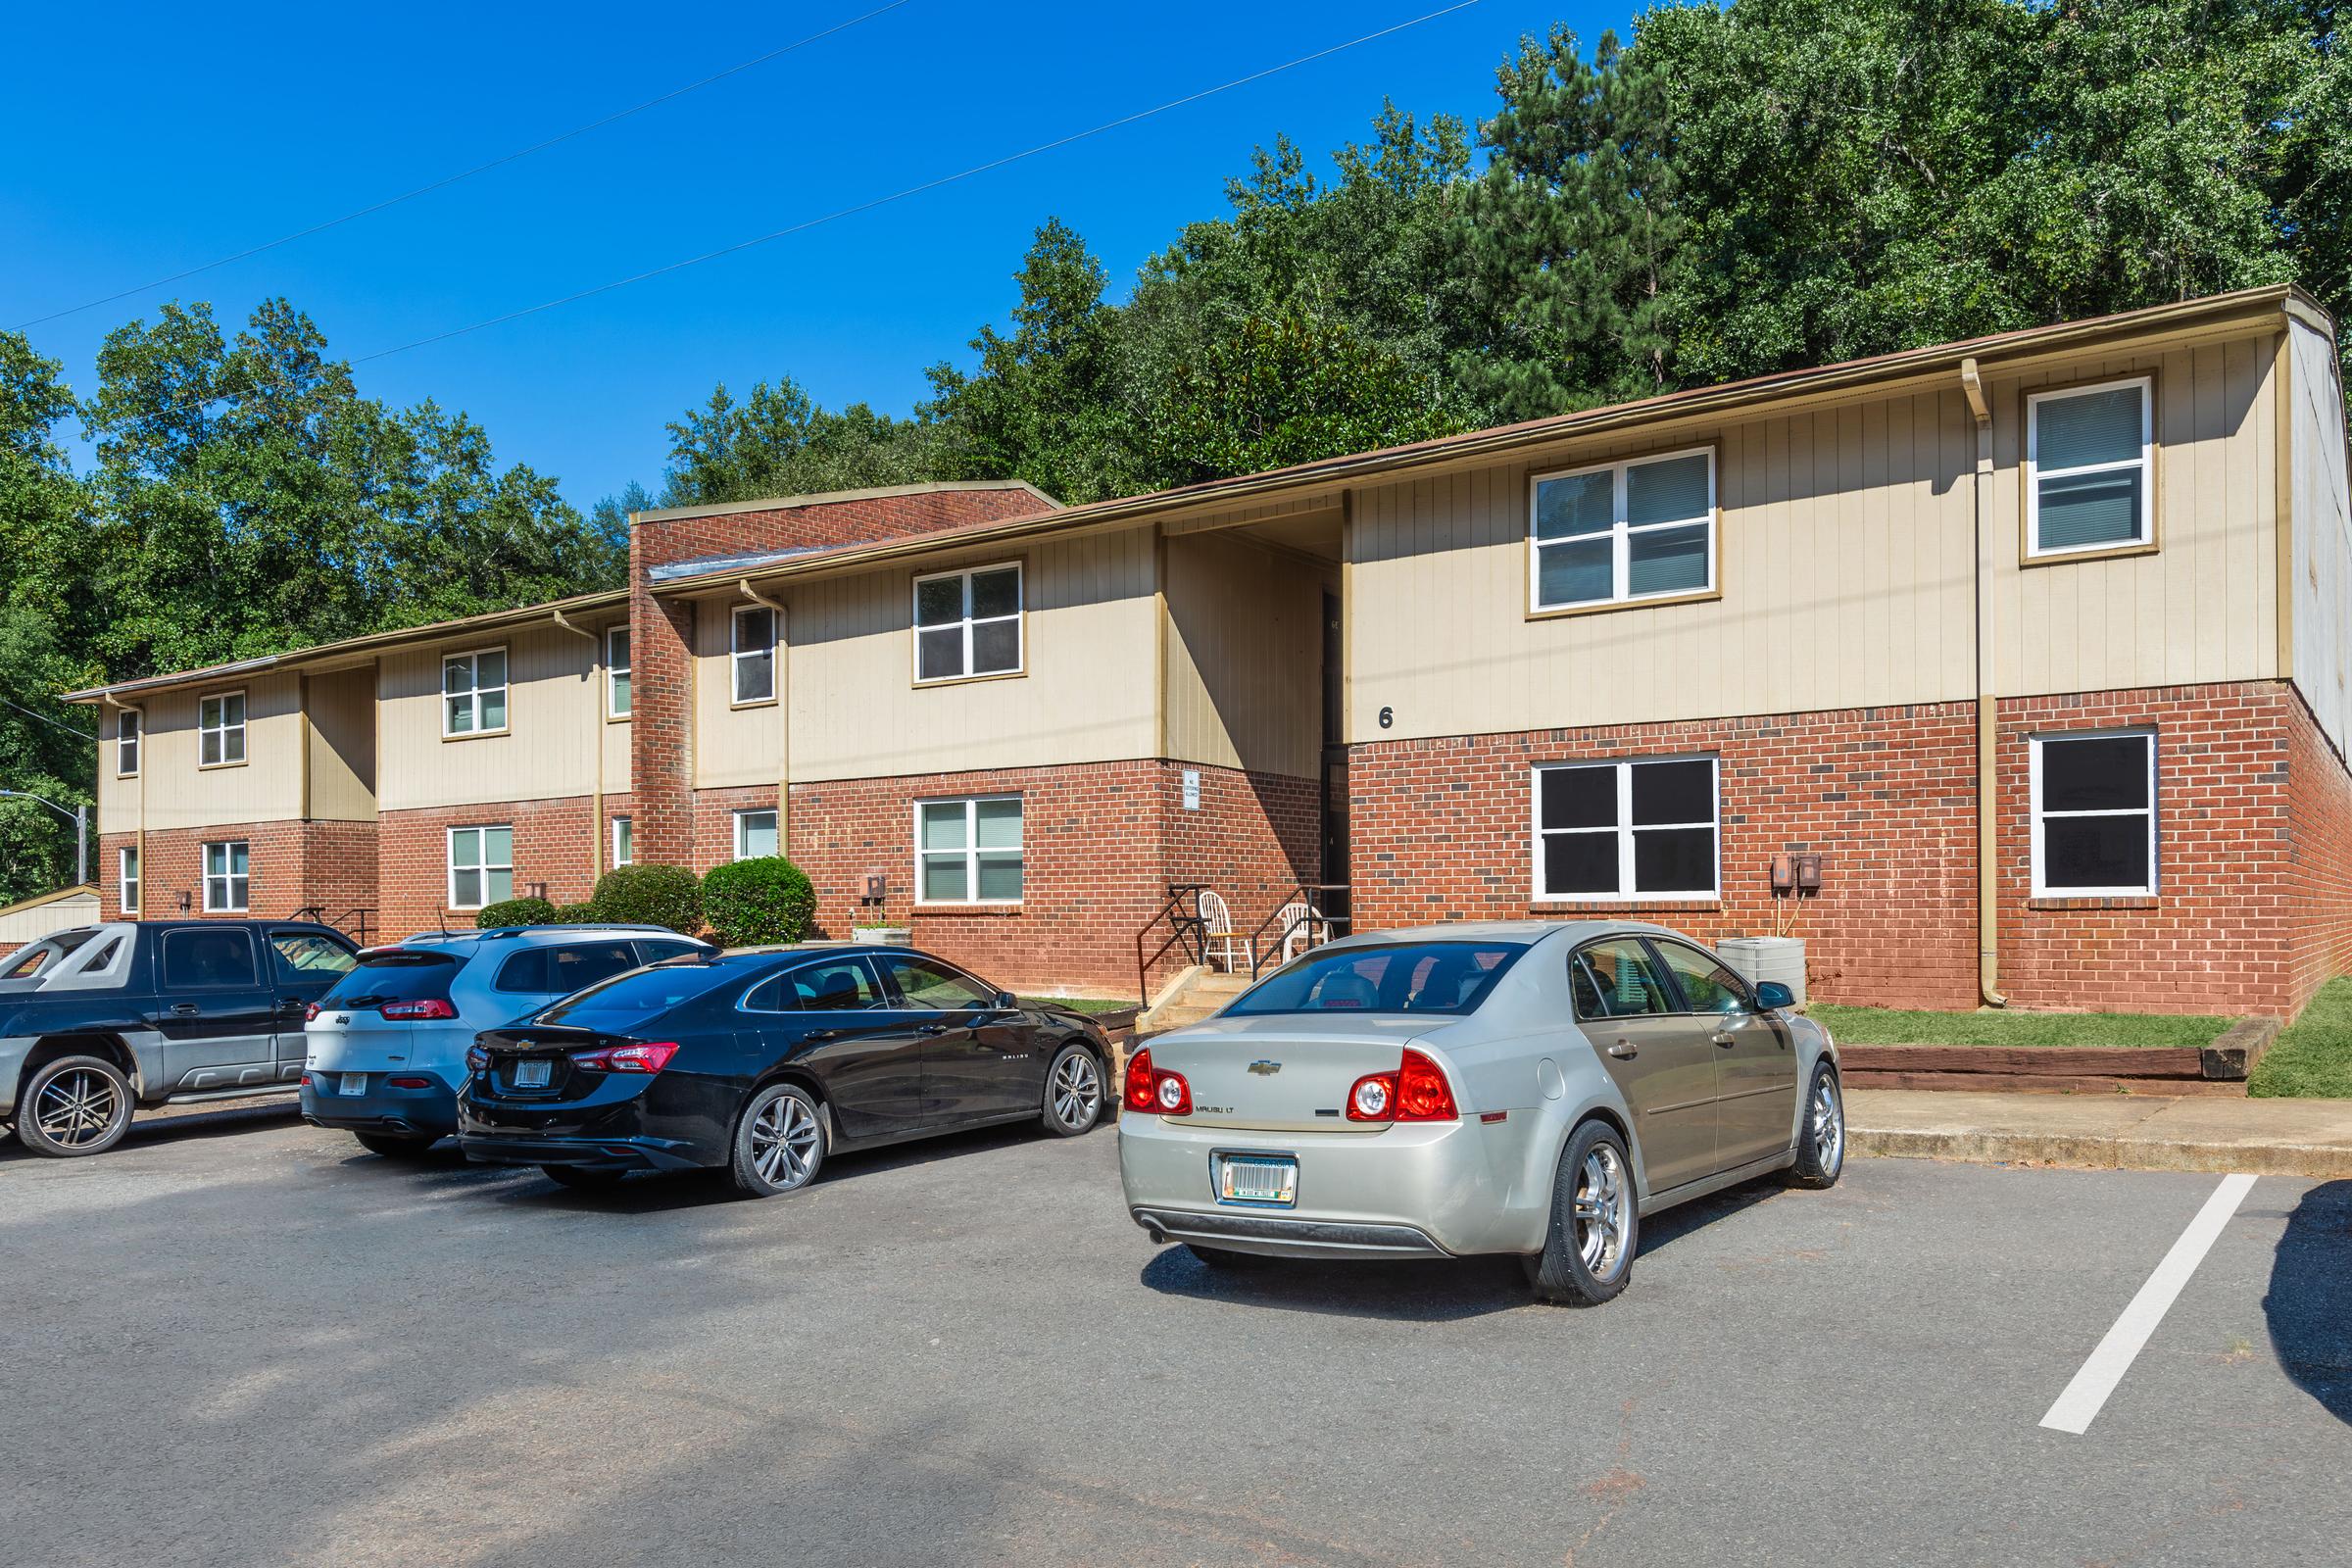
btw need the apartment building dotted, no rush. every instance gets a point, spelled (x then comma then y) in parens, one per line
(2013, 668)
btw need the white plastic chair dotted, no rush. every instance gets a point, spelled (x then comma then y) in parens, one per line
(1302, 928)
(1219, 941)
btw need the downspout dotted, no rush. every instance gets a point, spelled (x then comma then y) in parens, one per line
(783, 719)
(1988, 881)
(596, 738)
(140, 832)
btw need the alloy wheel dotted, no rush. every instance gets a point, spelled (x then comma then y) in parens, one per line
(1829, 1125)
(1603, 1215)
(784, 1141)
(1077, 1091)
(76, 1108)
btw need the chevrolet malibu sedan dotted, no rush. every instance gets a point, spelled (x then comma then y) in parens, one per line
(766, 1062)
(1531, 1087)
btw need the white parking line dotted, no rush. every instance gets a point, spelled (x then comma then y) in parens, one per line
(2078, 1406)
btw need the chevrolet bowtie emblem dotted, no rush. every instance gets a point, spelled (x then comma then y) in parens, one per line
(1265, 1069)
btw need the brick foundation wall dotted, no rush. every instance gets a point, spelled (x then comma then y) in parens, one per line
(552, 845)
(292, 866)
(2254, 906)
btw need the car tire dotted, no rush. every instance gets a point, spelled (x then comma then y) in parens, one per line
(1821, 1133)
(1074, 1092)
(395, 1145)
(1596, 1225)
(72, 1107)
(586, 1178)
(1217, 1257)
(779, 1141)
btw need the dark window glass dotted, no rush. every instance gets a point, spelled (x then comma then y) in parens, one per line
(208, 959)
(1674, 791)
(995, 647)
(1673, 859)
(996, 593)
(933, 987)
(939, 601)
(1451, 978)
(939, 654)
(2095, 851)
(396, 975)
(1579, 796)
(1580, 862)
(841, 986)
(560, 971)
(656, 952)
(1617, 979)
(1666, 560)
(2082, 511)
(2105, 774)
(632, 998)
(1707, 986)
(307, 957)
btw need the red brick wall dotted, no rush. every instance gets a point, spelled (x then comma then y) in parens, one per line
(292, 864)
(661, 540)
(2255, 891)
(715, 821)
(552, 845)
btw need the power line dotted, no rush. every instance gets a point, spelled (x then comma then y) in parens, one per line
(916, 190)
(468, 174)
(54, 723)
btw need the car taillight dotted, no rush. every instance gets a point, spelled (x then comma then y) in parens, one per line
(1155, 1092)
(310, 1015)
(644, 1056)
(306, 1080)
(477, 1060)
(1416, 1090)
(408, 1083)
(429, 1008)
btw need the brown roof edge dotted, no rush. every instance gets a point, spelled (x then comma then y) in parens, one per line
(828, 498)
(431, 631)
(1501, 440)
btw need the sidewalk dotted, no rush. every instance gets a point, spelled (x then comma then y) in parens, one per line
(2128, 1132)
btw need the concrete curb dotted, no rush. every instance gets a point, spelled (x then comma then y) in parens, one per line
(2107, 1132)
(2104, 1152)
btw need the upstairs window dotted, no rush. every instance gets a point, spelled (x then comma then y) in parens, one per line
(754, 655)
(967, 624)
(221, 730)
(1622, 532)
(2095, 815)
(1627, 831)
(473, 693)
(617, 672)
(126, 743)
(2087, 470)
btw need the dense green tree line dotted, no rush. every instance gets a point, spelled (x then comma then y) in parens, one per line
(1741, 188)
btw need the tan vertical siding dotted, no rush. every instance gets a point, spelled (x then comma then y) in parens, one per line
(546, 752)
(1244, 656)
(267, 787)
(342, 742)
(733, 746)
(2320, 532)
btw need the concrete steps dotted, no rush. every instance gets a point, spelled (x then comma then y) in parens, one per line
(1200, 997)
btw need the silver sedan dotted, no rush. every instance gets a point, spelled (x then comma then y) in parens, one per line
(1530, 1087)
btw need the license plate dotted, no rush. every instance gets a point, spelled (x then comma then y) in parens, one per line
(1257, 1180)
(533, 1074)
(354, 1083)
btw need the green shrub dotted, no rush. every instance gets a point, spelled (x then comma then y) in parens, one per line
(651, 895)
(514, 911)
(582, 914)
(759, 900)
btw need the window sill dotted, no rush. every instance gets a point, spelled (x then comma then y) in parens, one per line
(969, 680)
(1558, 611)
(752, 701)
(478, 735)
(214, 767)
(1577, 906)
(966, 909)
(618, 719)
(2059, 558)
(2120, 901)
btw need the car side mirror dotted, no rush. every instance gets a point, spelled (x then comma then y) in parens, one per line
(1007, 1000)
(1772, 996)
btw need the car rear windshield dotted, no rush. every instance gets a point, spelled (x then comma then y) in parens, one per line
(629, 1000)
(397, 975)
(1451, 978)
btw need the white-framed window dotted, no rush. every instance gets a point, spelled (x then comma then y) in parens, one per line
(755, 835)
(221, 729)
(2095, 814)
(1622, 532)
(968, 624)
(1642, 829)
(753, 647)
(126, 878)
(2089, 469)
(126, 743)
(474, 692)
(227, 877)
(616, 671)
(624, 852)
(969, 851)
(481, 865)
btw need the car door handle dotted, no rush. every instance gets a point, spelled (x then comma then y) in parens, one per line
(823, 1034)
(183, 1009)
(1725, 1038)
(931, 1029)
(1624, 1050)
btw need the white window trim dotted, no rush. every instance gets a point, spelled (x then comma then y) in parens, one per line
(618, 857)
(1621, 533)
(2042, 888)
(135, 743)
(740, 820)
(617, 669)
(472, 660)
(484, 866)
(1624, 830)
(2145, 462)
(223, 729)
(1018, 617)
(736, 654)
(972, 849)
(127, 879)
(228, 876)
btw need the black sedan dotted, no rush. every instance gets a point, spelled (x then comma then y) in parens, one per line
(766, 1062)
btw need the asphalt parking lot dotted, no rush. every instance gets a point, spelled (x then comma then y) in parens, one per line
(238, 1340)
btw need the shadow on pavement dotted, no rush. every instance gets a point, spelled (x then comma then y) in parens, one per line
(1661, 1231)
(173, 1125)
(2309, 1304)
(1433, 1291)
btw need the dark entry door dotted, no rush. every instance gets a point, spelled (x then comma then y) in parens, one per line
(1334, 901)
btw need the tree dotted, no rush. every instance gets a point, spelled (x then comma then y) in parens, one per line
(778, 442)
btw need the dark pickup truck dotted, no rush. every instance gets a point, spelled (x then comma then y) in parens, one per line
(103, 1018)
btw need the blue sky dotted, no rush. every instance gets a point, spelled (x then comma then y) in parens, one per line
(151, 138)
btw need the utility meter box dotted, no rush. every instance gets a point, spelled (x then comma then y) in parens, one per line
(1757, 959)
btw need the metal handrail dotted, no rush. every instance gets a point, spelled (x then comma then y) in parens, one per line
(1191, 929)
(1304, 893)
(354, 921)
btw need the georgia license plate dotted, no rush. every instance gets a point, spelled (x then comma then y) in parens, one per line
(354, 1083)
(1257, 1180)
(533, 1074)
